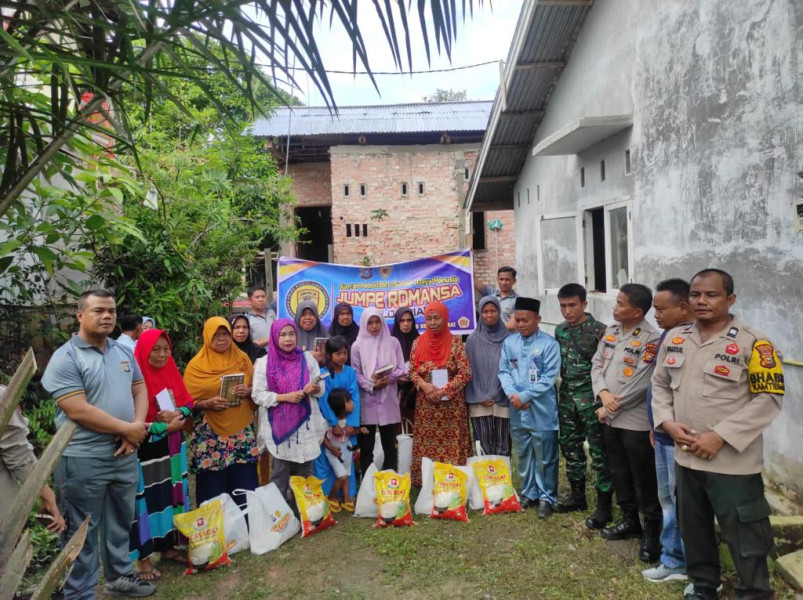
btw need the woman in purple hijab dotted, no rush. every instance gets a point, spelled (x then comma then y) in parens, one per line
(290, 422)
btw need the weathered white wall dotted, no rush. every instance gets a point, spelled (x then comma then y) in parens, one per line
(714, 87)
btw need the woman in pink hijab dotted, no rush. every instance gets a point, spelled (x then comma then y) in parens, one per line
(377, 358)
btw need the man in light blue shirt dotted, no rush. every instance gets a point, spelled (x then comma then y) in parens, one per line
(131, 327)
(528, 370)
(97, 385)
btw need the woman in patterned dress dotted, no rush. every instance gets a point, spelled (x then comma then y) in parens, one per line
(441, 430)
(223, 443)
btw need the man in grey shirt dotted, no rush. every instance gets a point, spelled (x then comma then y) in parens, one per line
(260, 317)
(97, 385)
(505, 279)
(620, 377)
(17, 461)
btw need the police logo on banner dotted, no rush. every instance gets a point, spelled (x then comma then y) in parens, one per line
(307, 290)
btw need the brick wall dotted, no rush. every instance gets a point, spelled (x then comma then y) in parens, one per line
(416, 224)
(487, 261)
(311, 185)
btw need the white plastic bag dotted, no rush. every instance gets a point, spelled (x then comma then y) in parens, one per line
(425, 501)
(271, 522)
(234, 524)
(379, 451)
(366, 497)
(405, 443)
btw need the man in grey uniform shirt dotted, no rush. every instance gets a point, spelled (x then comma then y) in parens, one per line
(97, 385)
(620, 376)
(717, 385)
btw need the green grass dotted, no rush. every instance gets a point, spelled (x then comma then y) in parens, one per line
(491, 557)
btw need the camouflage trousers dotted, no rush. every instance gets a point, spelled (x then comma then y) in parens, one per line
(578, 422)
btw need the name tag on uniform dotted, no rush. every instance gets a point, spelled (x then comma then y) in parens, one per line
(533, 371)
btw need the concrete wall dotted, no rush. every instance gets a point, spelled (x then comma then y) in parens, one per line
(714, 89)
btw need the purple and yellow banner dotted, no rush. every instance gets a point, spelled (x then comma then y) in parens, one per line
(414, 284)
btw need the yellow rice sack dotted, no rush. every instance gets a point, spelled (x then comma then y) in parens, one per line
(393, 499)
(496, 484)
(312, 504)
(449, 493)
(203, 528)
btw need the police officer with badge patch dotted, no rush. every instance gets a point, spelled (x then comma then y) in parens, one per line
(717, 385)
(620, 376)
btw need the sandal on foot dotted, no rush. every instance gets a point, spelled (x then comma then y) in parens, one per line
(150, 575)
(334, 505)
(175, 556)
(347, 506)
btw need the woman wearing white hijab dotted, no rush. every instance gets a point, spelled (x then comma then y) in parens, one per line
(379, 404)
(488, 406)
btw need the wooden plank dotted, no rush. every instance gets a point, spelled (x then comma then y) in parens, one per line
(61, 563)
(19, 381)
(499, 179)
(12, 572)
(14, 521)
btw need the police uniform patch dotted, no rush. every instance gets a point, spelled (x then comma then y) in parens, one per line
(764, 370)
(678, 340)
(670, 360)
(610, 338)
(650, 350)
(722, 370)
(629, 360)
(628, 372)
(636, 331)
(635, 343)
(733, 332)
(732, 348)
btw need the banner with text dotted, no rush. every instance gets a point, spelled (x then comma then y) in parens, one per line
(414, 284)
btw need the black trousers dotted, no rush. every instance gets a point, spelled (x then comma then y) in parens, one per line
(366, 441)
(742, 511)
(631, 462)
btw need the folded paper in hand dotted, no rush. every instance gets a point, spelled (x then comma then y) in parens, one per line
(165, 400)
(440, 378)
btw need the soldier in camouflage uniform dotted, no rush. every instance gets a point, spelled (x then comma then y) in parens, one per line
(579, 336)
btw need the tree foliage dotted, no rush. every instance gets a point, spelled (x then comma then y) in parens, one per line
(449, 95)
(215, 198)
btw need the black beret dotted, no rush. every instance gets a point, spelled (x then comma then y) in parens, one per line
(531, 304)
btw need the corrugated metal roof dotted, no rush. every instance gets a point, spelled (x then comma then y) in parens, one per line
(391, 118)
(542, 44)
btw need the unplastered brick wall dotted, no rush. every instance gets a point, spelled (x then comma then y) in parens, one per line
(311, 185)
(418, 223)
(500, 247)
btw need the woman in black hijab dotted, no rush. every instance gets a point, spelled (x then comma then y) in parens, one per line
(405, 331)
(241, 334)
(343, 324)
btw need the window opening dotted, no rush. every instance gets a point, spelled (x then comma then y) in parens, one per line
(595, 249)
(478, 231)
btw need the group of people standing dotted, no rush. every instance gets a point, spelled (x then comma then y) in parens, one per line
(310, 408)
